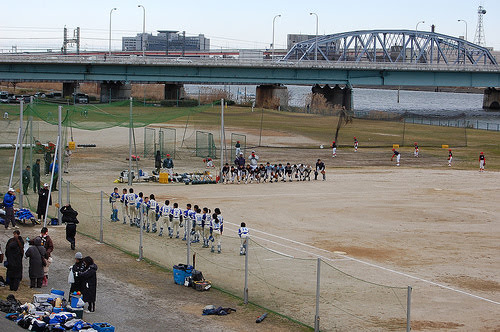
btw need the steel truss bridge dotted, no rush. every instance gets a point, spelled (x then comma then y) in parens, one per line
(391, 46)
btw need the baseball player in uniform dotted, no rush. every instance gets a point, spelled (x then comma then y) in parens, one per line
(355, 144)
(225, 173)
(131, 197)
(237, 148)
(450, 157)
(243, 234)
(216, 228)
(254, 160)
(123, 200)
(207, 219)
(320, 168)
(334, 149)
(113, 200)
(139, 212)
(198, 225)
(415, 153)
(176, 217)
(165, 219)
(482, 162)
(153, 210)
(397, 155)
(188, 221)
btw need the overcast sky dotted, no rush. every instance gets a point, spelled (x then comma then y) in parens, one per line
(39, 24)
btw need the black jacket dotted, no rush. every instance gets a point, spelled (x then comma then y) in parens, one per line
(89, 282)
(14, 252)
(69, 215)
(43, 195)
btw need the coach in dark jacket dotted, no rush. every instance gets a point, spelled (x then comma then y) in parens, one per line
(36, 254)
(14, 255)
(43, 196)
(69, 217)
(89, 279)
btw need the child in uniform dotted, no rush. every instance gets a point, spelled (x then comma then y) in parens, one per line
(397, 155)
(131, 197)
(113, 198)
(154, 208)
(243, 234)
(225, 173)
(165, 218)
(207, 219)
(176, 217)
(482, 162)
(416, 150)
(450, 157)
(187, 221)
(216, 227)
(320, 168)
(334, 149)
(123, 200)
(355, 144)
(198, 225)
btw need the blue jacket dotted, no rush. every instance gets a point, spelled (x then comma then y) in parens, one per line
(8, 200)
(56, 169)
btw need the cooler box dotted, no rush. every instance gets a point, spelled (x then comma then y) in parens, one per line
(54, 293)
(74, 300)
(163, 178)
(182, 271)
(103, 327)
(40, 298)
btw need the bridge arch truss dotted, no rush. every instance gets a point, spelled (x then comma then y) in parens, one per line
(391, 46)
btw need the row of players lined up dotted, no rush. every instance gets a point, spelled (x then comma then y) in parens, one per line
(197, 222)
(271, 173)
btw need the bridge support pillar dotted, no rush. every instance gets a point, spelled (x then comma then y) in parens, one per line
(271, 96)
(69, 88)
(491, 99)
(115, 91)
(337, 97)
(174, 91)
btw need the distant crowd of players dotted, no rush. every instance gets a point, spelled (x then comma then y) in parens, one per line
(243, 172)
(199, 224)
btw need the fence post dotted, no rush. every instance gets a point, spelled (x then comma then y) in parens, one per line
(316, 317)
(101, 232)
(141, 222)
(245, 290)
(188, 239)
(67, 192)
(408, 310)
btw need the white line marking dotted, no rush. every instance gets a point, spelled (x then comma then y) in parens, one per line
(363, 262)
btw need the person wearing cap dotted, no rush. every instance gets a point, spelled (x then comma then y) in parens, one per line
(334, 149)
(450, 157)
(67, 157)
(320, 168)
(397, 155)
(43, 196)
(482, 162)
(415, 153)
(168, 163)
(26, 179)
(355, 144)
(237, 148)
(35, 172)
(158, 161)
(76, 269)
(8, 203)
(254, 160)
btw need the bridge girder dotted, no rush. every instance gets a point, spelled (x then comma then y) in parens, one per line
(392, 46)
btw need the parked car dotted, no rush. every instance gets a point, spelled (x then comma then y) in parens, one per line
(39, 95)
(54, 95)
(4, 97)
(80, 98)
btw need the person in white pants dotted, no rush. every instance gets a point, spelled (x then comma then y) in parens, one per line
(450, 157)
(198, 225)
(123, 200)
(216, 228)
(243, 234)
(165, 218)
(131, 197)
(207, 220)
(176, 217)
(334, 149)
(153, 210)
(397, 155)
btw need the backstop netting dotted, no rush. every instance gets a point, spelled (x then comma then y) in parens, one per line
(167, 141)
(205, 145)
(235, 140)
(149, 142)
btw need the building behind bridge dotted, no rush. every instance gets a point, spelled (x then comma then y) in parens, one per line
(166, 40)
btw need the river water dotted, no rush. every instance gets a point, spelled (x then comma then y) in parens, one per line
(443, 104)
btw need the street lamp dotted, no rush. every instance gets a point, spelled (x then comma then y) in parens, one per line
(143, 28)
(416, 27)
(465, 28)
(111, 11)
(272, 52)
(316, 48)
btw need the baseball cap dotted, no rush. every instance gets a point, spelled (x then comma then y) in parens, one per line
(45, 184)
(78, 255)
(11, 189)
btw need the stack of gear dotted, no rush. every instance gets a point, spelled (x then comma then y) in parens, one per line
(23, 215)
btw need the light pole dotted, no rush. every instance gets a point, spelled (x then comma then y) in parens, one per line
(111, 11)
(416, 27)
(272, 52)
(465, 28)
(316, 48)
(143, 28)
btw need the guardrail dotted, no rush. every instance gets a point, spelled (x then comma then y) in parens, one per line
(221, 62)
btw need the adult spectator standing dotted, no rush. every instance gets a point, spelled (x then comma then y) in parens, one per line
(36, 254)
(35, 172)
(158, 161)
(67, 157)
(47, 159)
(89, 281)
(69, 217)
(14, 251)
(77, 268)
(49, 247)
(168, 163)
(56, 175)
(43, 196)
(26, 179)
(8, 203)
